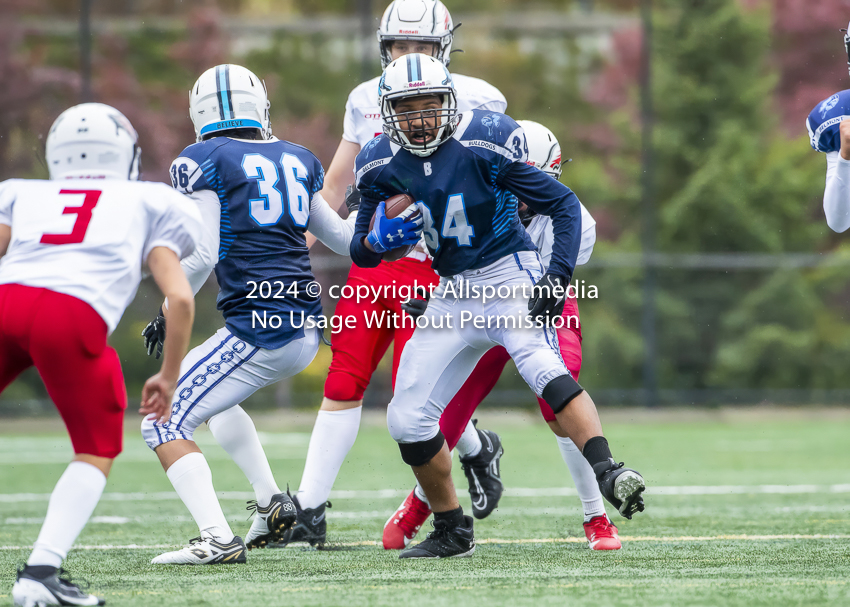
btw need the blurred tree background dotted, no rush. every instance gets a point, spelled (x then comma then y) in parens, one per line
(752, 293)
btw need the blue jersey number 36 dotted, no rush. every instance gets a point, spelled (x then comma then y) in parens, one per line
(268, 209)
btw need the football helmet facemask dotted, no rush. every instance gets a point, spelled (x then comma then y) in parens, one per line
(419, 20)
(228, 97)
(93, 140)
(417, 75)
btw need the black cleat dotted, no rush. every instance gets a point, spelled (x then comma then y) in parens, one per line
(620, 486)
(483, 474)
(54, 589)
(310, 527)
(271, 522)
(443, 542)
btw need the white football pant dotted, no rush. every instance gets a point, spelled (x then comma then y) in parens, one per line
(437, 361)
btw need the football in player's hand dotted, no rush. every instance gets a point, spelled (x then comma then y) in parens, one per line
(395, 206)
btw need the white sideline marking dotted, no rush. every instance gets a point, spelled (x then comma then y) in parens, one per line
(13, 498)
(544, 540)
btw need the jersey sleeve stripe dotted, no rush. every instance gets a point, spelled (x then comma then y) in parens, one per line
(832, 121)
(487, 145)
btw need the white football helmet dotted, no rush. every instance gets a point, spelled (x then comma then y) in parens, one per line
(422, 20)
(229, 97)
(544, 151)
(847, 44)
(417, 75)
(92, 140)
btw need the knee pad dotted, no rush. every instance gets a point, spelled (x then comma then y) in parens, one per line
(343, 387)
(422, 452)
(560, 391)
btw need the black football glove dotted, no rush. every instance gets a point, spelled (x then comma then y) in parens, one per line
(352, 198)
(416, 307)
(154, 335)
(548, 296)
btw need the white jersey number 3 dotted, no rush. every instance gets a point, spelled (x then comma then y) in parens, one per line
(268, 209)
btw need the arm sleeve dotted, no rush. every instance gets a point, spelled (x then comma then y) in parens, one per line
(7, 200)
(177, 227)
(552, 198)
(360, 255)
(588, 237)
(201, 262)
(349, 128)
(836, 196)
(331, 229)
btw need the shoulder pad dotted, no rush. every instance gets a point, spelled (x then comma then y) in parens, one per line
(824, 120)
(498, 133)
(375, 154)
(186, 173)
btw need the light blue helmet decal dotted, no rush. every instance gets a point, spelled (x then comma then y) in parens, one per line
(448, 81)
(225, 100)
(414, 68)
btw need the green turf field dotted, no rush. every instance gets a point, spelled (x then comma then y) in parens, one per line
(749, 508)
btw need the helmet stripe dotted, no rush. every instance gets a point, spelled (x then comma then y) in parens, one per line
(218, 92)
(224, 105)
(409, 69)
(418, 67)
(229, 97)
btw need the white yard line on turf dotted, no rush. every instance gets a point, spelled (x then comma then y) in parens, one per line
(12, 498)
(545, 540)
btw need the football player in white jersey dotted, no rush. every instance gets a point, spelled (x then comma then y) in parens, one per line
(407, 26)
(73, 249)
(544, 152)
(257, 195)
(829, 131)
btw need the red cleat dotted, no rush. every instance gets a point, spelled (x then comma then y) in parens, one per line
(601, 534)
(405, 522)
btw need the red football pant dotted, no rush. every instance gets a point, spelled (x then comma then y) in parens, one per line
(66, 341)
(486, 373)
(358, 350)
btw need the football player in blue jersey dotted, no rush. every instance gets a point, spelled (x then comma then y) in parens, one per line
(829, 131)
(466, 172)
(258, 195)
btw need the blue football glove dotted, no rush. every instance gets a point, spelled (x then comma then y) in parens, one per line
(393, 233)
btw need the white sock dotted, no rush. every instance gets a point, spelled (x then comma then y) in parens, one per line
(192, 479)
(469, 444)
(583, 477)
(420, 493)
(332, 439)
(71, 505)
(235, 432)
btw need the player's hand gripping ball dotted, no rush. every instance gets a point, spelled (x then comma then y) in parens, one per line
(396, 227)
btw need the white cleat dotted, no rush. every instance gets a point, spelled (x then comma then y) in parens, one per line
(29, 591)
(205, 551)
